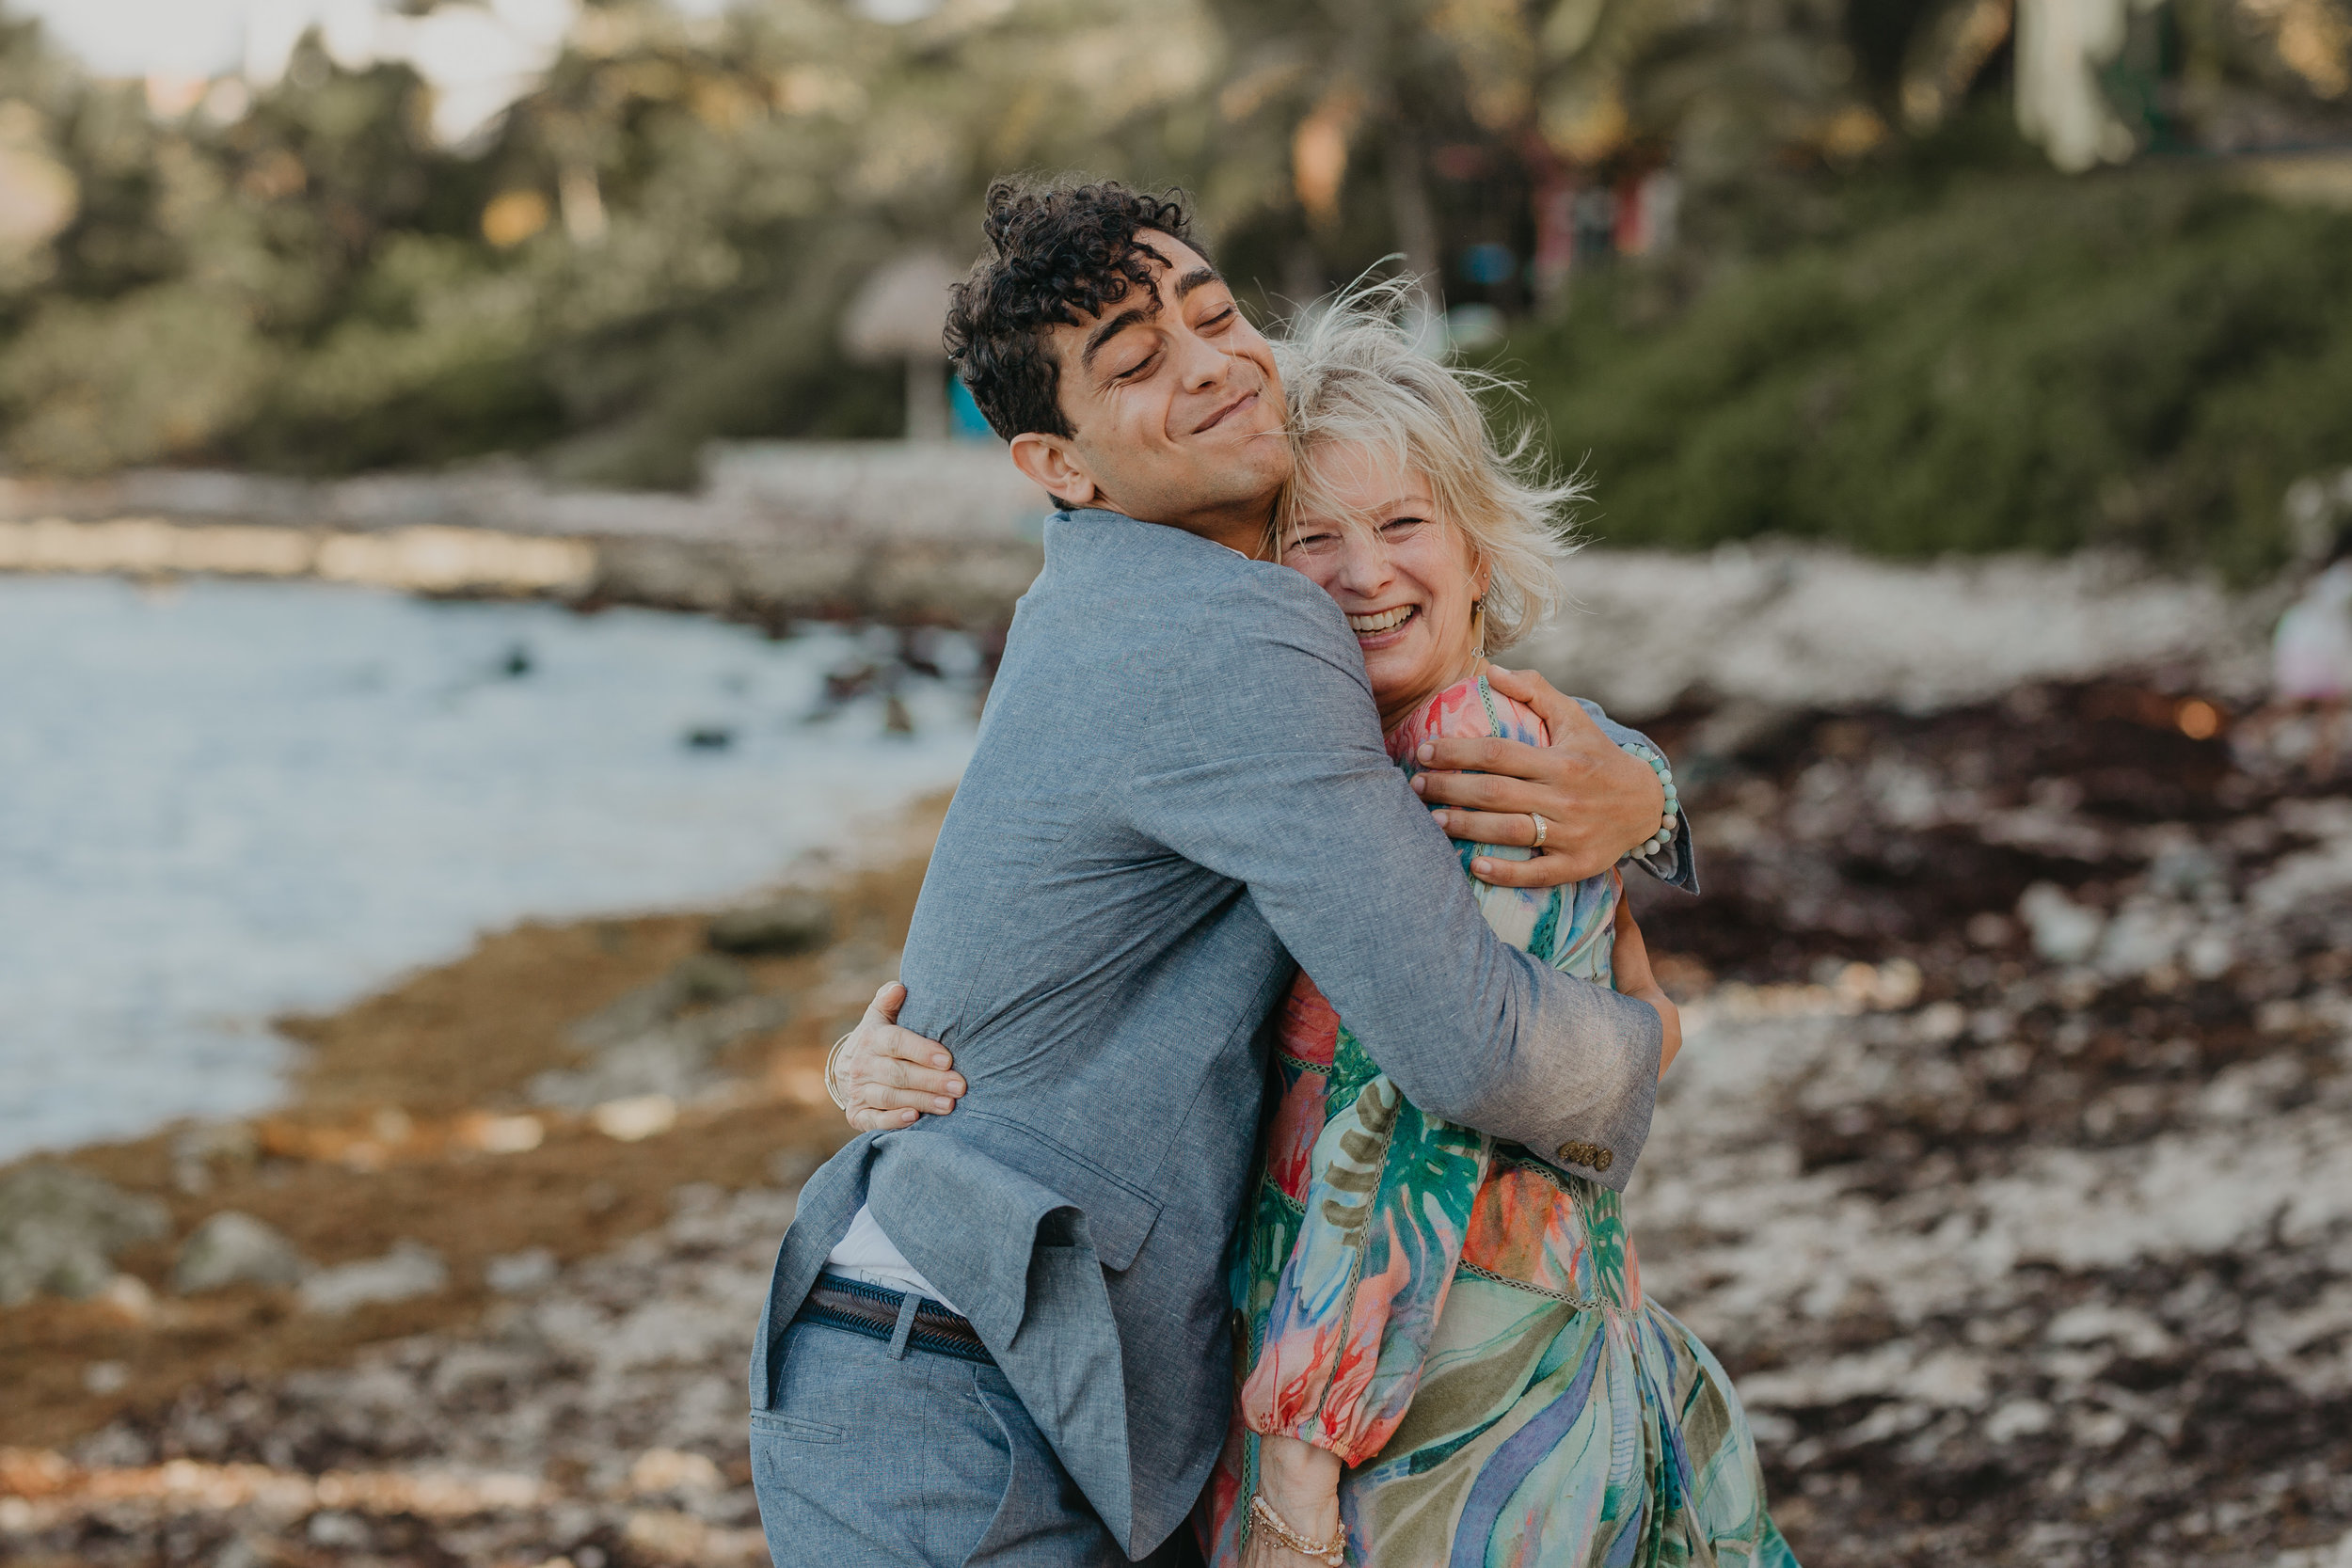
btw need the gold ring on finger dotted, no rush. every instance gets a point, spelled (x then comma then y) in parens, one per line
(1537, 818)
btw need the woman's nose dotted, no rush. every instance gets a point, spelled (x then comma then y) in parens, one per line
(1363, 564)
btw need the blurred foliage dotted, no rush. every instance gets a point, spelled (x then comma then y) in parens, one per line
(1885, 322)
(2147, 359)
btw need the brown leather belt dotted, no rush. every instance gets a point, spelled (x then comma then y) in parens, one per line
(873, 1311)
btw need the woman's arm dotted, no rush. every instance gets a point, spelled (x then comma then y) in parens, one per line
(1336, 1347)
(1631, 963)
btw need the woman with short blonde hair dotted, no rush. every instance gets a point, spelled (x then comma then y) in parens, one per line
(1448, 1356)
(1357, 381)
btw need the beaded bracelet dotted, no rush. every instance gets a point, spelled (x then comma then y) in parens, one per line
(1658, 843)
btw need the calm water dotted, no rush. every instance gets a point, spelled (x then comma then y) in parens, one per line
(223, 800)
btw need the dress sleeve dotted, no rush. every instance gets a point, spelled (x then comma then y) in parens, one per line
(1341, 1316)
(1343, 1320)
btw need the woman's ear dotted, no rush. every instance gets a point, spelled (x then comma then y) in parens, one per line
(1054, 469)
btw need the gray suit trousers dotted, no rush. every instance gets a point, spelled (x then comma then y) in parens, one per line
(864, 1460)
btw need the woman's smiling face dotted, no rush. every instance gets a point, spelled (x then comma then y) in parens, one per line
(1406, 577)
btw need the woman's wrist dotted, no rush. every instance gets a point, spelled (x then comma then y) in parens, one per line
(1669, 1023)
(1302, 1482)
(1661, 837)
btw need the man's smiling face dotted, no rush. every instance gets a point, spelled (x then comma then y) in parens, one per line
(1175, 406)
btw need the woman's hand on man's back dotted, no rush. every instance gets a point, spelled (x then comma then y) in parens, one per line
(889, 1076)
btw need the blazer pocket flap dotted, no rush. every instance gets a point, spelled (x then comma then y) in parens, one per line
(1118, 1216)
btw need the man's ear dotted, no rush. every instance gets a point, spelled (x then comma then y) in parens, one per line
(1054, 469)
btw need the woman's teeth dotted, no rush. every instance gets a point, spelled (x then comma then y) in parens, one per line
(1387, 620)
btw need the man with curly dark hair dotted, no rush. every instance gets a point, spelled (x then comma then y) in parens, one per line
(1000, 1335)
(1099, 342)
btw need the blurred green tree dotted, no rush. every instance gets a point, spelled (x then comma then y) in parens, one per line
(655, 245)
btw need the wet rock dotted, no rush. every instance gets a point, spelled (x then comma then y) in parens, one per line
(408, 1271)
(700, 980)
(789, 923)
(60, 1230)
(2063, 931)
(520, 1273)
(670, 1470)
(674, 1059)
(635, 1118)
(334, 1530)
(663, 1038)
(232, 1248)
(195, 1150)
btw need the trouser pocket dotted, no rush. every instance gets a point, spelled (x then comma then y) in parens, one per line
(1041, 1516)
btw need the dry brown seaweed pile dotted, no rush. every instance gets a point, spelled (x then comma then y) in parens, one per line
(2008, 1166)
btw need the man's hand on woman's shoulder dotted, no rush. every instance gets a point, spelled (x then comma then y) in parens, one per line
(885, 1076)
(1597, 800)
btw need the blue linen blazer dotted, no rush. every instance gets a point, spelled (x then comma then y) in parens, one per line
(1179, 795)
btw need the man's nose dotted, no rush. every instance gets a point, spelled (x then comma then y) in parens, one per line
(1202, 364)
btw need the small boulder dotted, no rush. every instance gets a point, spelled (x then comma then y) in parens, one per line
(197, 1151)
(520, 1273)
(60, 1229)
(410, 1270)
(2063, 931)
(701, 981)
(789, 922)
(232, 1248)
(663, 1038)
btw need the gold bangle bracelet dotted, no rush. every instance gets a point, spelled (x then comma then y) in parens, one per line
(831, 1057)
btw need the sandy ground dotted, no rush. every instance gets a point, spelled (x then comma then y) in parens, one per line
(2008, 1167)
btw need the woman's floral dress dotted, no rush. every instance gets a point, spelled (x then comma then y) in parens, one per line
(1462, 1325)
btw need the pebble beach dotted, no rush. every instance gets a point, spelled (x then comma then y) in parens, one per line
(2006, 1165)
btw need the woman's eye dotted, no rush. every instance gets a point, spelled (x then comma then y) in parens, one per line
(1403, 527)
(1309, 544)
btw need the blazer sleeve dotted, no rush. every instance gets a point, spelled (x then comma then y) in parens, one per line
(1262, 760)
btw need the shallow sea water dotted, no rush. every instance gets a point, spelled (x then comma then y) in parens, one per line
(223, 800)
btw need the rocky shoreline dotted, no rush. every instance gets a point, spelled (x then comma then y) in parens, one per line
(942, 534)
(2006, 1167)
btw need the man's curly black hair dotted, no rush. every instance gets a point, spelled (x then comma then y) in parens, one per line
(1060, 249)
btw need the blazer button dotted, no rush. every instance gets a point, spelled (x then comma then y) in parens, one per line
(1602, 1159)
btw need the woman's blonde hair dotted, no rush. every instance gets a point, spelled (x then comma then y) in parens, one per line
(1354, 373)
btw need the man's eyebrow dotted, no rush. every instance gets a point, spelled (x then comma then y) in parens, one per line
(1112, 328)
(1198, 278)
